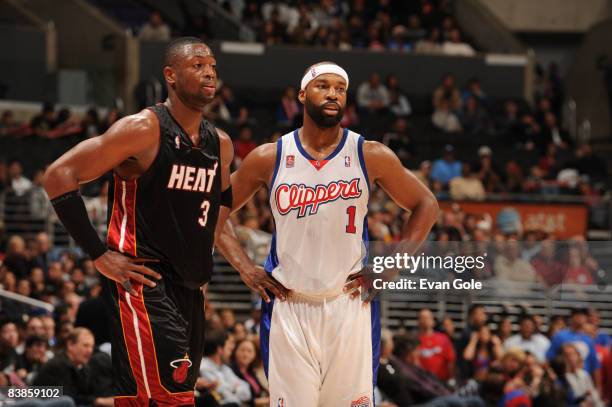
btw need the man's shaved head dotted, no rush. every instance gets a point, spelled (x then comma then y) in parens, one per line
(177, 46)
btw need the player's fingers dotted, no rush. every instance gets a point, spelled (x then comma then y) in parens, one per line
(264, 295)
(352, 285)
(277, 288)
(127, 286)
(143, 260)
(145, 270)
(141, 279)
(371, 294)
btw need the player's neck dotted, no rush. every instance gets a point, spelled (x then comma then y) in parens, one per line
(188, 118)
(319, 139)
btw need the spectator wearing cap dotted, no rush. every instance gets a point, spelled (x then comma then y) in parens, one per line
(574, 335)
(528, 339)
(467, 186)
(446, 168)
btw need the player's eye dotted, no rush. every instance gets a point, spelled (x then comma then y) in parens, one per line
(197, 66)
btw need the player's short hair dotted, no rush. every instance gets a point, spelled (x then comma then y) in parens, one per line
(175, 47)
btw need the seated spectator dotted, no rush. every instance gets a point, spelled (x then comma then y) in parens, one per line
(228, 319)
(446, 168)
(574, 334)
(601, 338)
(474, 118)
(467, 186)
(398, 101)
(577, 272)
(514, 177)
(552, 133)
(399, 141)
(431, 44)
(9, 339)
(509, 266)
(76, 371)
(589, 164)
(447, 91)
(455, 46)
(581, 389)
(33, 358)
(508, 123)
(17, 181)
(481, 351)
(415, 32)
(474, 89)
(43, 122)
(372, 96)
(445, 119)
(546, 265)
(528, 339)
(16, 257)
(155, 29)
(252, 324)
(436, 353)
(288, 108)
(399, 41)
(245, 144)
(245, 361)
(226, 386)
(40, 207)
(487, 171)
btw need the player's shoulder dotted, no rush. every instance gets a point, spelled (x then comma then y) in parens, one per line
(376, 150)
(142, 123)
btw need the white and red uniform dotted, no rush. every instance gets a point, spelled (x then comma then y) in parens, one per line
(320, 348)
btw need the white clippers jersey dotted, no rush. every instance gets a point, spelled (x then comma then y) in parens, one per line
(320, 210)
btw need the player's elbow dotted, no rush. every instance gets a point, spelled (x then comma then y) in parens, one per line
(430, 208)
(55, 179)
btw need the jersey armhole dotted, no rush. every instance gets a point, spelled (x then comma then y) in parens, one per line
(279, 153)
(362, 163)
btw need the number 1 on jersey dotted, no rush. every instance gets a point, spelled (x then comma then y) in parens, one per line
(350, 228)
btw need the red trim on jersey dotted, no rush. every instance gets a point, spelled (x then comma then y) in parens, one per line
(116, 225)
(318, 164)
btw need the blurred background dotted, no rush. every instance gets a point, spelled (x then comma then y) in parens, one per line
(502, 108)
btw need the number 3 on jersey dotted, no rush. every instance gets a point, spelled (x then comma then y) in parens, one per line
(202, 220)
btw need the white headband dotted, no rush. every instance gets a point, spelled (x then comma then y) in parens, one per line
(323, 69)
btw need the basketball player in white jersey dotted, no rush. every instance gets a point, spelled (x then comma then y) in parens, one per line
(321, 344)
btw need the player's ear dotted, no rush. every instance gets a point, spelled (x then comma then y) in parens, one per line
(302, 96)
(169, 75)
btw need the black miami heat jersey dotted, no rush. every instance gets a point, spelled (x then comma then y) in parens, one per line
(170, 212)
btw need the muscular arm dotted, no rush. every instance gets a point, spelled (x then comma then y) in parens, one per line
(254, 173)
(385, 169)
(132, 136)
(227, 156)
(136, 138)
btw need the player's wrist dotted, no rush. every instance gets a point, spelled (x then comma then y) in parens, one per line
(71, 211)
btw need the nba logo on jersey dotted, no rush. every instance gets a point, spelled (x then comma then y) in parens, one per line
(361, 402)
(177, 142)
(290, 162)
(347, 161)
(281, 402)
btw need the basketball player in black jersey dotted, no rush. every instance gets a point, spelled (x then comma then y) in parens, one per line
(170, 190)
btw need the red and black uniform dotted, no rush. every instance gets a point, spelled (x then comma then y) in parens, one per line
(169, 213)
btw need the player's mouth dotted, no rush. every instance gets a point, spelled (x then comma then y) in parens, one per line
(331, 108)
